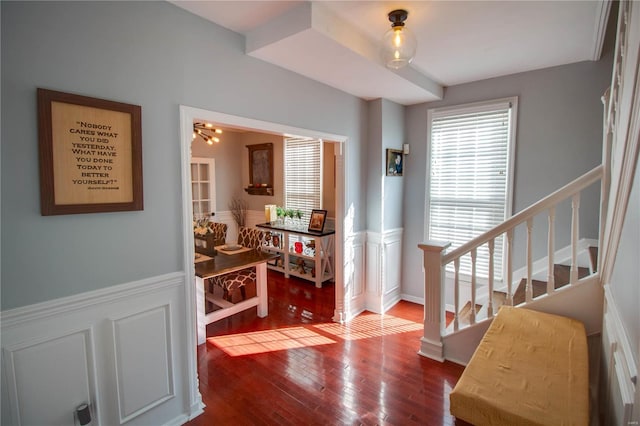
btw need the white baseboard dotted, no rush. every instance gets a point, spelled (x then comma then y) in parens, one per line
(96, 347)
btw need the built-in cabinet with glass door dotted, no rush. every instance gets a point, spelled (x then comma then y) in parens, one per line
(203, 187)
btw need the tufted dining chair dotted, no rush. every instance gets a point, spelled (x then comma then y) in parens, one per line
(247, 237)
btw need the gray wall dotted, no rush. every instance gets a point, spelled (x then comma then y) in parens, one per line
(384, 193)
(559, 138)
(375, 167)
(158, 56)
(393, 136)
(228, 155)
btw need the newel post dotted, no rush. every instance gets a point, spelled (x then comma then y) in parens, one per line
(434, 308)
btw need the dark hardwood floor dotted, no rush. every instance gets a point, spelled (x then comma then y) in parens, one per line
(298, 367)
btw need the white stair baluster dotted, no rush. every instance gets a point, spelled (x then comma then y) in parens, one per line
(550, 254)
(575, 206)
(509, 266)
(474, 253)
(529, 284)
(456, 293)
(490, 302)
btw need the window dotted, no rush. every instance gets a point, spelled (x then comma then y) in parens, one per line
(302, 174)
(470, 176)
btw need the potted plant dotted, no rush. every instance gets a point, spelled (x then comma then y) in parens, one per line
(280, 214)
(289, 213)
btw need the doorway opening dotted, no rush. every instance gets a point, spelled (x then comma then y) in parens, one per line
(187, 117)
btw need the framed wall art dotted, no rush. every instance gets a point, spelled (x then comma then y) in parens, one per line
(317, 219)
(260, 169)
(90, 154)
(395, 162)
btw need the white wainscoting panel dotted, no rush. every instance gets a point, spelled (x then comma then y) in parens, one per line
(354, 274)
(122, 349)
(34, 378)
(374, 272)
(619, 373)
(144, 372)
(358, 261)
(384, 269)
(392, 267)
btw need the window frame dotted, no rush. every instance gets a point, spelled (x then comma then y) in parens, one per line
(320, 171)
(511, 151)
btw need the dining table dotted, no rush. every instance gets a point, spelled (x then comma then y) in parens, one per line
(222, 263)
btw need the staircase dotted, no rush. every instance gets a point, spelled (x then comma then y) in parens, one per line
(561, 274)
(567, 288)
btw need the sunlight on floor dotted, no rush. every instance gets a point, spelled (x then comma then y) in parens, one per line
(372, 325)
(362, 327)
(269, 340)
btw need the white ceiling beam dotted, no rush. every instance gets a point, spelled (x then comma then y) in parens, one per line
(303, 38)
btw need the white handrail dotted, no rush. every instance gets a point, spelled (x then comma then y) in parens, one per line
(551, 200)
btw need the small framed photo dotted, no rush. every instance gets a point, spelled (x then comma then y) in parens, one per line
(316, 221)
(395, 162)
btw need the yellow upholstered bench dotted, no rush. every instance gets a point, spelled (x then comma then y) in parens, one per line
(531, 368)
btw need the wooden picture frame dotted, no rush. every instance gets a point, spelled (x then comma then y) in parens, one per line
(317, 219)
(260, 169)
(395, 162)
(90, 153)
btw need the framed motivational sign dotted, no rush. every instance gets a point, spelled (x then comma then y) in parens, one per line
(90, 154)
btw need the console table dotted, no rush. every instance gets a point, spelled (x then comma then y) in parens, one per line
(314, 261)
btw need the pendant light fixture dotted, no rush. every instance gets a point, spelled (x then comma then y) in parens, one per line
(207, 132)
(398, 44)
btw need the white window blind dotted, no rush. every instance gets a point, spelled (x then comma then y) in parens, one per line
(468, 186)
(303, 174)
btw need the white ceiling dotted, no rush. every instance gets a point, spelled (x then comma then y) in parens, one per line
(336, 42)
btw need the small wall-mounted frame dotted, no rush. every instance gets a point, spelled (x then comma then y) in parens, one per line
(260, 169)
(395, 162)
(90, 154)
(316, 221)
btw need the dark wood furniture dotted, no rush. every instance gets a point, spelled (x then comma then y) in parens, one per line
(220, 265)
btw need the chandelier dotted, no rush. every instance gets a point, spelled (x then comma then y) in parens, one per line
(207, 132)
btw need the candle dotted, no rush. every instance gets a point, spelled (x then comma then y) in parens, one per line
(270, 213)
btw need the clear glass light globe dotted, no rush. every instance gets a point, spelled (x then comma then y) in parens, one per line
(398, 47)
